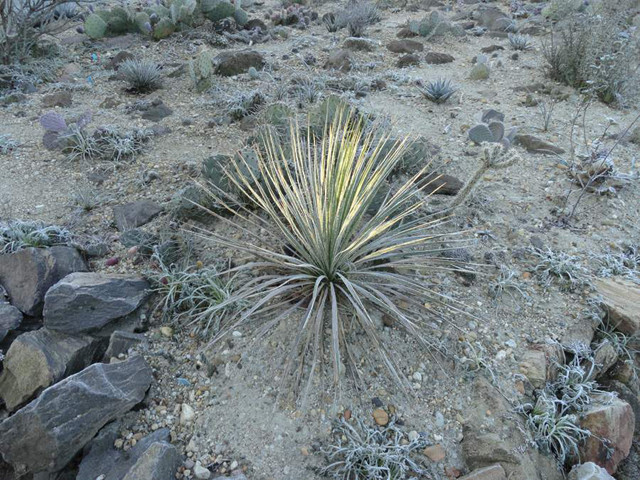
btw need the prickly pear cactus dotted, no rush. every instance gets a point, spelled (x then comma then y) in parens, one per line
(163, 28)
(216, 10)
(241, 17)
(201, 70)
(94, 26)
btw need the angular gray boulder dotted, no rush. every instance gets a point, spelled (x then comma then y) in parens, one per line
(37, 360)
(132, 215)
(153, 457)
(46, 434)
(88, 302)
(28, 273)
(10, 319)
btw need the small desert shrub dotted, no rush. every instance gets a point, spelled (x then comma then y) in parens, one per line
(438, 91)
(194, 295)
(357, 16)
(24, 22)
(322, 255)
(595, 51)
(7, 144)
(143, 76)
(560, 267)
(17, 234)
(362, 452)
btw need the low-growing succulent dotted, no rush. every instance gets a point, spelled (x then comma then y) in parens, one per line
(519, 42)
(7, 144)
(17, 234)
(493, 132)
(244, 104)
(438, 91)
(142, 75)
(331, 22)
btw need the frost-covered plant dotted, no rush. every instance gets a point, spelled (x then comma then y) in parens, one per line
(555, 430)
(519, 42)
(195, 295)
(105, 143)
(18, 234)
(7, 144)
(362, 452)
(322, 264)
(307, 90)
(143, 76)
(243, 104)
(507, 282)
(24, 22)
(331, 22)
(619, 264)
(559, 267)
(358, 15)
(438, 91)
(86, 198)
(596, 51)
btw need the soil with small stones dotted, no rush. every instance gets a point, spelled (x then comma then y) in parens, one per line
(240, 423)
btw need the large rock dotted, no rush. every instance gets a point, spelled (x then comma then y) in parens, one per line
(37, 360)
(613, 420)
(47, 433)
(621, 299)
(433, 183)
(121, 341)
(10, 319)
(589, 471)
(493, 435)
(28, 273)
(152, 457)
(235, 63)
(87, 302)
(492, 18)
(436, 58)
(405, 46)
(135, 214)
(493, 472)
(339, 60)
(540, 363)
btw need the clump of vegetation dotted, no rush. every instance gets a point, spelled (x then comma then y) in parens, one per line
(553, 419)
(195, 296)
(363, 452)
(507, 282)
(435, 25)
(243, 104)
(105, 143)
(143, 76)
(519, 42)
(7, 144)
(595, 50)
(18, 234)
(625, 263)
(559, 267)
(438, 91)
(325, 257)
(23, 23)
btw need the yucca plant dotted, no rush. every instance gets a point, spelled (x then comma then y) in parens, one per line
(321, 256)
(439, 91)
(519, 42)
(142, 75)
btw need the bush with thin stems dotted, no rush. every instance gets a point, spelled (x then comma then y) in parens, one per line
(320, 255)
(18, 234)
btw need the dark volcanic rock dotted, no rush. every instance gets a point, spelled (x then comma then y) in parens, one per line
(10, 319)
(37, 360)
(87, 302)
(405, 46)
(135, 214)
(235, 63)
(47, 433)
(28, 273)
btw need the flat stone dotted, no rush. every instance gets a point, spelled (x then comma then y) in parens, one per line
(47, 433)
(614, 420)
(492, 472)
(537, 145)
(135, 214)
(435, 453)
(405, 46)
(360, 44)
(155, 113)
(87, 302)
(10, 319)
(121, 341)
(38, 359)
(339, 60)
(28, 273)
(435, 58)
(440, 184)
(621, 299)
(235, 63)
(58, 99)
(589, 471)
(158, 462)
(409, 60)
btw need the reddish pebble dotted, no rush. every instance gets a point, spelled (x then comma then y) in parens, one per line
(112, 261)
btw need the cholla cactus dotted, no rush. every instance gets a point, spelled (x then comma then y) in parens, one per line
(495, 156)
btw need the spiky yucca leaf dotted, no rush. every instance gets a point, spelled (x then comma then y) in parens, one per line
(323, 256)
